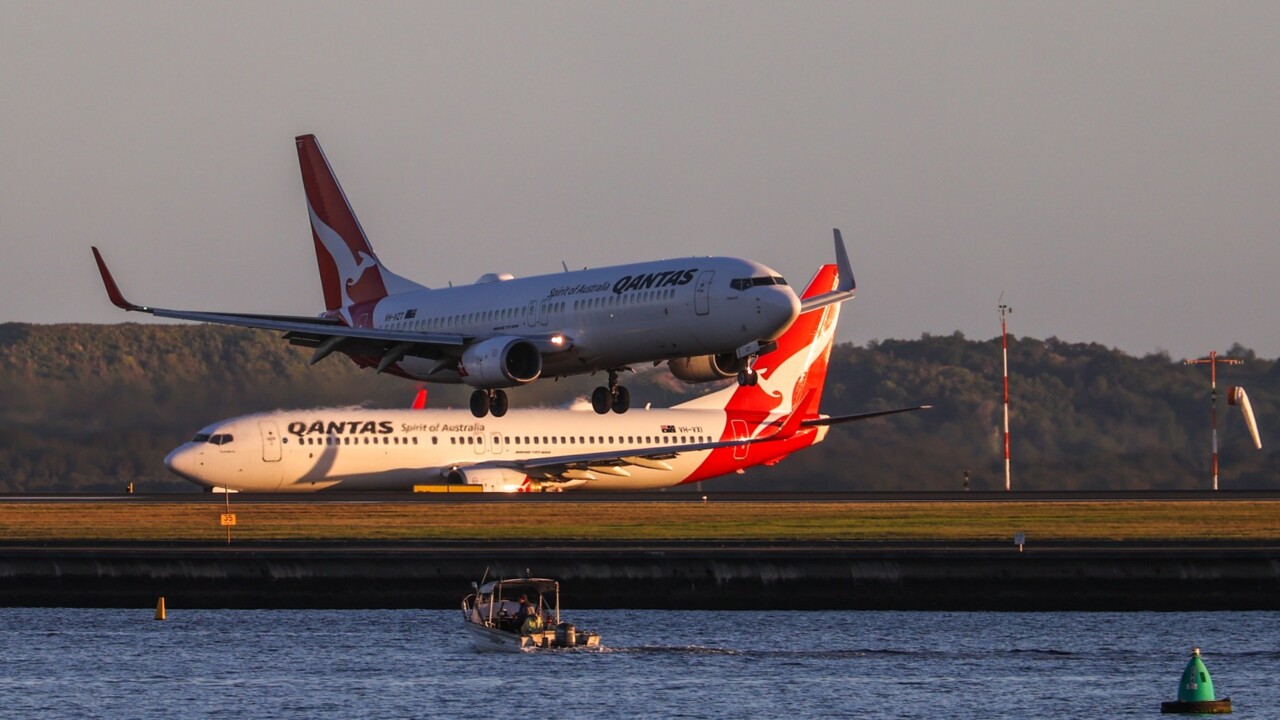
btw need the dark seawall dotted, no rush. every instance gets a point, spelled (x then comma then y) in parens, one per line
(1114, 576)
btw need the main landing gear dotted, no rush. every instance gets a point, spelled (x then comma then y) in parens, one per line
(484, 402)
(748, 377)
(615, 397)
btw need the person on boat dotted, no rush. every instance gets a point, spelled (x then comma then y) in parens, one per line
(527, 617)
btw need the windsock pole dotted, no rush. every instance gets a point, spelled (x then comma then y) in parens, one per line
(1004, 350)
(1212, 361)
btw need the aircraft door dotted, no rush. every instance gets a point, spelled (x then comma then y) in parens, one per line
(479, 442)
(531, 314)
(270, 441)
(495, 443)
(740, 432)
(544, 314)
(702, 293)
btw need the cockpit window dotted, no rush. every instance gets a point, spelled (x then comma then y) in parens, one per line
(745, 283)
(222, 439)
(200, 437)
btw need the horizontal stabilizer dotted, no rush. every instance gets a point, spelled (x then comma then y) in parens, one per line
(860, 416)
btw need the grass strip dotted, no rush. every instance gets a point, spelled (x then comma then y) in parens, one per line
(645, 521)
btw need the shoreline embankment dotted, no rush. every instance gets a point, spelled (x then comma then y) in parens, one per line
(1094, 576)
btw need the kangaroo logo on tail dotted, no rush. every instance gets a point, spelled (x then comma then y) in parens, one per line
(350, 272)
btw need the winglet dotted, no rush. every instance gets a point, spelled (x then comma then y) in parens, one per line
(420, 400)
(847, 283)
(847, 286)
(113, 292)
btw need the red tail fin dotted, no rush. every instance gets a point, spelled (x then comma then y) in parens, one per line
(350, 272)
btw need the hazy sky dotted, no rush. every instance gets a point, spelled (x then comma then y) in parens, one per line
(1111, 167)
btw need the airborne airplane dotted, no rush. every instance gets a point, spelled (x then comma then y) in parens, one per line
(709, 318)
(535, 449)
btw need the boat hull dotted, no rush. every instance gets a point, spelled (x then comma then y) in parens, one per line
(489, 639)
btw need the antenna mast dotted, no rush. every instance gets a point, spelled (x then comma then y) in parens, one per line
(1005, 310)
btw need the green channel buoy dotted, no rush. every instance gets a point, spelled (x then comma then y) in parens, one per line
(1195, 692)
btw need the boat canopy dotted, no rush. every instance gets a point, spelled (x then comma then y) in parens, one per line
(538, 585)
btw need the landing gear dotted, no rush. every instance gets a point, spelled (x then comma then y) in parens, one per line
(747, 376)
(621, 400)
(614, 397)
(498, 404)
(600, 400)
(484, 402)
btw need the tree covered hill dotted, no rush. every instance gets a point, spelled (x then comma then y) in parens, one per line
(95, 407)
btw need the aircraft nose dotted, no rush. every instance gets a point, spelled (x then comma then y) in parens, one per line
(185, 463)
(778, 306)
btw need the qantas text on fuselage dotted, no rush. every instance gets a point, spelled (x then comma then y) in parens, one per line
(708, 318)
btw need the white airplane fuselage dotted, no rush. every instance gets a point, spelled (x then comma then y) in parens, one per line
(359, 449)
(609, 317)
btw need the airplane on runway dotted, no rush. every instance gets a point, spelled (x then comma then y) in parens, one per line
(708, 318)
(568, 449)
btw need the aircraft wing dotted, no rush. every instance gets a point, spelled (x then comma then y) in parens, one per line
(585, 466)
(844, 271)
(859, 416)
(323, 333)
(614, 462)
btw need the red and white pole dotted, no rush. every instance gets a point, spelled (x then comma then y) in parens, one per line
(1212, 361)
(1004, 349)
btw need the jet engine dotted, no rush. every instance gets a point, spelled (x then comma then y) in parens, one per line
(491, 479)
(705, 368)
(501, 362)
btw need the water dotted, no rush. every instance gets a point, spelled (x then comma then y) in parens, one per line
(61, 663)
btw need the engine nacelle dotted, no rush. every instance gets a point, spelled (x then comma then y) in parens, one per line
(491, 479)
(705, 368)
(501, 362)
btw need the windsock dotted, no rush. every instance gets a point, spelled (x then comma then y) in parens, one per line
(1237, 396)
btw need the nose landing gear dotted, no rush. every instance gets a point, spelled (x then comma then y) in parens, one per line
(748, 376)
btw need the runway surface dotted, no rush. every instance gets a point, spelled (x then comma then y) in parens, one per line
(681, 496)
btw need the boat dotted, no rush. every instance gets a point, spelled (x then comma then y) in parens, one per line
(492, 615)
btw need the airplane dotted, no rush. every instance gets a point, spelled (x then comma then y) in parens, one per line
(708, 318)
(536, 449)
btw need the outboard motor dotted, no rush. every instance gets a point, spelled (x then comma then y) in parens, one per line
(566, 635)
